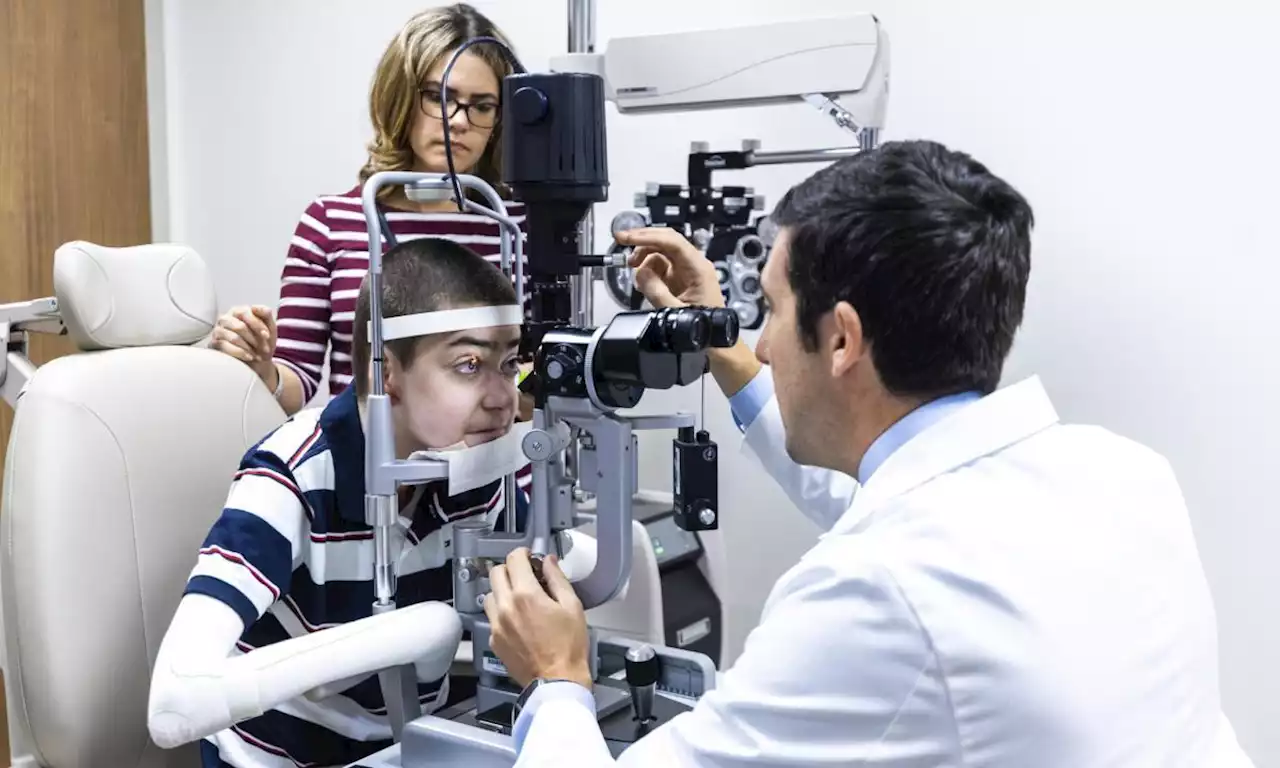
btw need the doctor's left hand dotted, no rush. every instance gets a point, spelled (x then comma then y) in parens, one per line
(537, 634)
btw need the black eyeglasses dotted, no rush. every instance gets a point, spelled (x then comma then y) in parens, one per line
(481, 114)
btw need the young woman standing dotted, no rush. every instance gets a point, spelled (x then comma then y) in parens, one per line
(328, 254)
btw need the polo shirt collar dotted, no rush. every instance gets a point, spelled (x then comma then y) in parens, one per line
(340, 422)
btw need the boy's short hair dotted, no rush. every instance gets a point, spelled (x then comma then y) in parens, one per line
(424, 275)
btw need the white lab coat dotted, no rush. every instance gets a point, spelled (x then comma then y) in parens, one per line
(1004, 591)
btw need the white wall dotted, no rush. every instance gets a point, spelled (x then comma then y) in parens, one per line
(1144, 139)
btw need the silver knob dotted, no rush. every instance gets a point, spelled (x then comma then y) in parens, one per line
(707, 516)
(537, 445)
(642, 678)
(627, 220)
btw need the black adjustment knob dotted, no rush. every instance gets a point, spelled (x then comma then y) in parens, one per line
(724, 327)
(528, 105)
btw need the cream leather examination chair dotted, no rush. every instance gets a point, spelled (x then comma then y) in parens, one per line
(119, 461)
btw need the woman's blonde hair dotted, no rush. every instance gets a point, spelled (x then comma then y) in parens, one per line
(394, 97)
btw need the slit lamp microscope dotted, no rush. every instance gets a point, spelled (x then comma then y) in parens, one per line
(584, 377)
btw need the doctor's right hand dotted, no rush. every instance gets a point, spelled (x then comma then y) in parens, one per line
(669, 270)
(249, 335)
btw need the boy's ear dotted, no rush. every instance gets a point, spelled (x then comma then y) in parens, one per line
(391, 374)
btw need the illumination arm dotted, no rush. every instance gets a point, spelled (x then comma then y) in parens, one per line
(839, 65)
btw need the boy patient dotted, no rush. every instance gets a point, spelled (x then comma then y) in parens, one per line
(291, 554)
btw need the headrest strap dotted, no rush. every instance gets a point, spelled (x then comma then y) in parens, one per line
(448, 321)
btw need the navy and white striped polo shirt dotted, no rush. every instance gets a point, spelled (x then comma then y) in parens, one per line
(292, 554)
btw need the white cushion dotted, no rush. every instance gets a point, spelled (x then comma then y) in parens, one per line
(137, 296)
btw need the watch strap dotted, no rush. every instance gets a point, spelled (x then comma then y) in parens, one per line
(528, 691)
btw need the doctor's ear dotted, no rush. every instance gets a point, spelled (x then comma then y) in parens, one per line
(847, 345)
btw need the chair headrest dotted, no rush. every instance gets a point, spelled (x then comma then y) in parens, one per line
(137, 296)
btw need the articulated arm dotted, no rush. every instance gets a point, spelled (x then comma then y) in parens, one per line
(839, 65)
(198, 688)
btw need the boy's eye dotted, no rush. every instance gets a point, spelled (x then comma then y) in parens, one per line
(470, 365)
(511, 367)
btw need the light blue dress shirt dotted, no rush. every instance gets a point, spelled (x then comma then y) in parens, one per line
(557, 690)
(746, 405)
(751, 399)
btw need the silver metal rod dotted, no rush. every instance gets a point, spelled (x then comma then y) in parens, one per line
(582, 39)
(538, 529)
(509, 503)
(802, 156)
(380, 513)
(584, 297)
(582, 26)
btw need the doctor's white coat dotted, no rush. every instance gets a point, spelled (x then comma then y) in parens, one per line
(1004, 591)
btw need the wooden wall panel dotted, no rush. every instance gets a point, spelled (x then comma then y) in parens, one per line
(73, 146)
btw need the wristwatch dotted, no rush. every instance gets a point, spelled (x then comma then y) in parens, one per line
(533, 685)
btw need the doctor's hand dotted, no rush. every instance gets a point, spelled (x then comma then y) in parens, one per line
(537, 632)
(670, 270)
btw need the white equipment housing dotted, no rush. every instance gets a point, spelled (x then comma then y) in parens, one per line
(845, 59)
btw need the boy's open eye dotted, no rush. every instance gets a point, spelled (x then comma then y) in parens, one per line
(469, 365)
(511, 367)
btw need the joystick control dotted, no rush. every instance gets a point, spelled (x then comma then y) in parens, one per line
(642, 678)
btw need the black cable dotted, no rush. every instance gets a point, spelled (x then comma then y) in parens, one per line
(516, 66)
(386, 229)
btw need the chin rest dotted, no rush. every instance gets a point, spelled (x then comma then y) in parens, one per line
(118, 463)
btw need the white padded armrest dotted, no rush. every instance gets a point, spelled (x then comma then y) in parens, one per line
(139, 296)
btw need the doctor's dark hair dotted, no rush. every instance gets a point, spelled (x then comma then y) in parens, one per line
(424, 275)
(930, 248)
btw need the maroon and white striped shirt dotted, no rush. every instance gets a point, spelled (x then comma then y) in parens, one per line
(329, 257)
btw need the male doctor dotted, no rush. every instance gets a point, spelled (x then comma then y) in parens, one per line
(1002, 589)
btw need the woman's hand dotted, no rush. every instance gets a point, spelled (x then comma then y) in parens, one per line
(249, 335)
